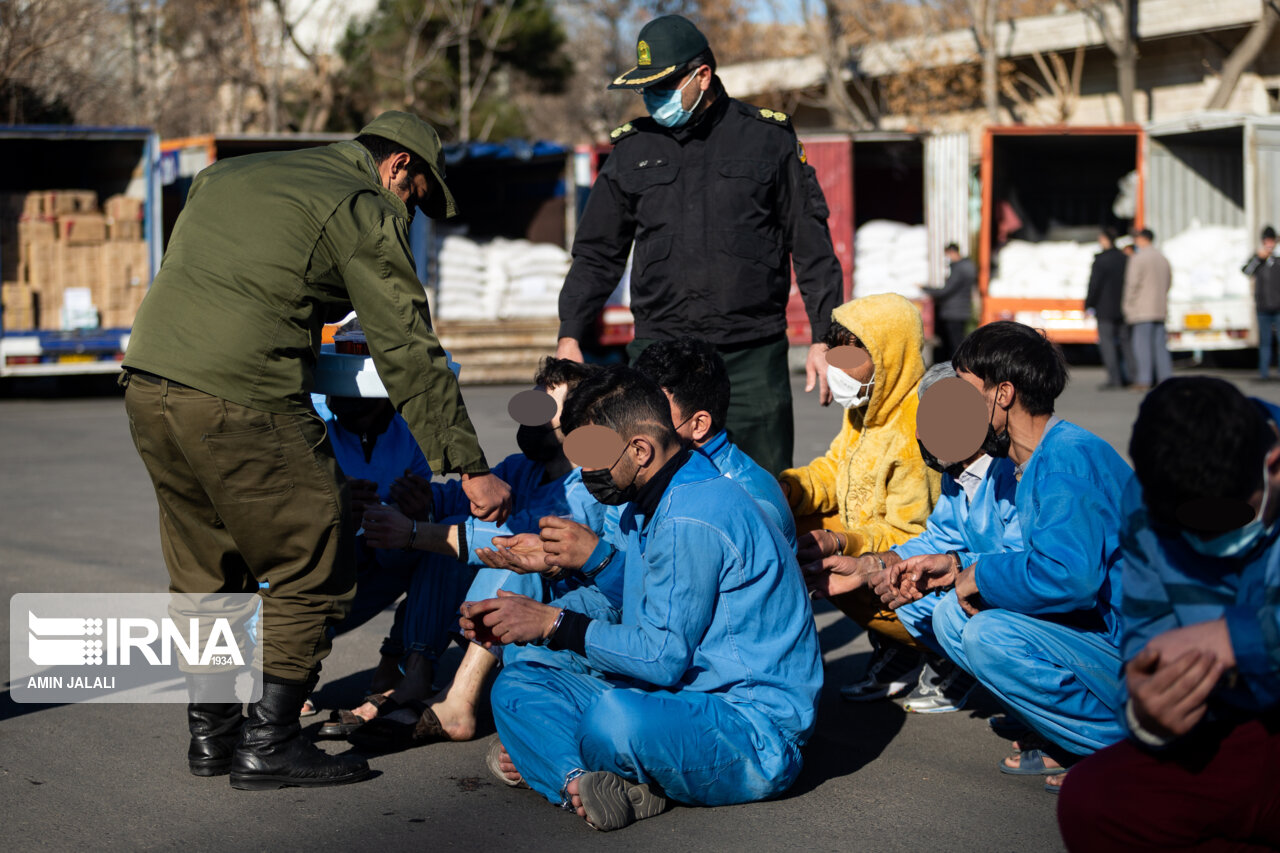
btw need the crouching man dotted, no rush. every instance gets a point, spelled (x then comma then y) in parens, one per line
(706, 688)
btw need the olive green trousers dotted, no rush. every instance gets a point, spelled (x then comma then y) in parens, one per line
(250, 501)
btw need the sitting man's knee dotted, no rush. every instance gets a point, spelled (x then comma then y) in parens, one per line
(614, 721)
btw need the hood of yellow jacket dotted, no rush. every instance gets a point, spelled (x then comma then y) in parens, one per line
(890, 327)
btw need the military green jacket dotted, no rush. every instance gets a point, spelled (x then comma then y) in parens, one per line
(268, 249)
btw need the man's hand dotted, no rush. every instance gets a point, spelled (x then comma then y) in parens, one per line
(838, 574)
(570, 349)
(886, 586)
(507, 619)
(815, 371)
(412, 493)
(490, 497)
(568, 544)
(813, 546)
(386, 527)
(1169, 698)
(1212, 638)
(364, 494)
(967, 591)
(927, 572)
(521, 554)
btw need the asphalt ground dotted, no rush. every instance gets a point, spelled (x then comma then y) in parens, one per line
(77, 514)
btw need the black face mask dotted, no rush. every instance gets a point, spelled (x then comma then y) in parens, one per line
(539, 443)
(601, 486)
(996, 446)
(952, 468)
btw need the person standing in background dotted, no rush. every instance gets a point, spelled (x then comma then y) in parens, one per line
(1106, 292)
(953, 303)
(1264, 267)
(720, 204)
(1147, 280)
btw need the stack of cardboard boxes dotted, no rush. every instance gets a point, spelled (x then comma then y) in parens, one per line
(55, 240)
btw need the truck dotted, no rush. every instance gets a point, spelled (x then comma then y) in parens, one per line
(1213, 182)
(1046, 193)
(56, 246)
(909, 179)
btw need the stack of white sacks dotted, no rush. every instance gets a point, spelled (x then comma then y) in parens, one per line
(891, 257)
(1206, 261)
(498, 279)
(1046, 270)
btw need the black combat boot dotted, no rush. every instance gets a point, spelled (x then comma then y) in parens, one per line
(215, 726)
(274, 754)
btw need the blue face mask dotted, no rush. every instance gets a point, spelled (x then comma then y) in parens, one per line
(667, 105)
(1238, 542)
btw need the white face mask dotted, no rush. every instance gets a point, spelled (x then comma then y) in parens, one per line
(847, 391)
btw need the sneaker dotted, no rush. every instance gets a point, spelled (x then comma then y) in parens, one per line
(942, 688)
(894, 669)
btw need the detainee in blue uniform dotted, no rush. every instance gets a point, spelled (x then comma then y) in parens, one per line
(707, 686)
(1039, 627)
(372, 442)
(984, 522)
(1201, 594)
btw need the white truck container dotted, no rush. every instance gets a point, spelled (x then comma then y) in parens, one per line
(1212, 183)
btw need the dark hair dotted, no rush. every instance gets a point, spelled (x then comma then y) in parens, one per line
(1006, 351)
(705, 58)
(952, 247)
(381, 148)
(838, 335)
(1268, 233)
(1197, 438)
(693, 373)
(1110, 233)
(1146, 234)
(554, 372)
(623, 399)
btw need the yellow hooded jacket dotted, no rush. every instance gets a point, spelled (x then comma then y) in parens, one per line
(873, 474)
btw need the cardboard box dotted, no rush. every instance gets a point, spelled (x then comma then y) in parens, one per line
(123, 208)
(124, 230)
(19, 306)
(82, 228)
(36, 231)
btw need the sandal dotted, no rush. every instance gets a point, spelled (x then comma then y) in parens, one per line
(309, 709)
(1031, 763)
(385, 733)
(612, 802)
(342, 723)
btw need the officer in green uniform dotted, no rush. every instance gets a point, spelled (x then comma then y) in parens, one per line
(219, 370)
(719, 203)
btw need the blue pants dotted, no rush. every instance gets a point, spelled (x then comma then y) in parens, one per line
(698, 748)
(382, 578)
(917, 618)
(1152, 363)
(1267, 322)
(431, 616)
(1063, 682)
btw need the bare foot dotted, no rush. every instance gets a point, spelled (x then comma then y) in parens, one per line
(508, 769)
(572, 790)
(457, 717)
(1055, 781)
(368, 710)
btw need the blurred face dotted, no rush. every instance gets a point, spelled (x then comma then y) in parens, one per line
(865, 368)
(952, 255)
(1104, 241)
(1269, 246)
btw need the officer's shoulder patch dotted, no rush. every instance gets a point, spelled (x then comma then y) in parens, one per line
(623, 131)
(772, 116)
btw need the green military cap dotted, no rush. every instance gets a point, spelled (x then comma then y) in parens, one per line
(664, 46)
(421, 138)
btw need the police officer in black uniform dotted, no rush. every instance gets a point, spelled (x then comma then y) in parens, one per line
(719, 202)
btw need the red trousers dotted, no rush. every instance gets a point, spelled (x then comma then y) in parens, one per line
(1218, 793)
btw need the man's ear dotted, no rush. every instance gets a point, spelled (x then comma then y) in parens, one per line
(1006, 394)
(399, 162)
(642, 450)
(701, 426)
